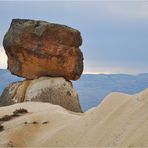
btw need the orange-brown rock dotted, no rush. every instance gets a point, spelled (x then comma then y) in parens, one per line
(38, 48)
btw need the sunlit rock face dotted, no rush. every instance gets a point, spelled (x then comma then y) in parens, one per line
(44, 89)
(38, 48)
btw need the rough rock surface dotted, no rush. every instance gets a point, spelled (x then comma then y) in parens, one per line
(44, 89)
(121, 120)
(38, 48)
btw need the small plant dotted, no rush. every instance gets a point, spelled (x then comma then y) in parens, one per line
(45, 122)
(6, 118)
(16, 113)
(20, 111)
(25, 122)
(1, 128)
(34, 122)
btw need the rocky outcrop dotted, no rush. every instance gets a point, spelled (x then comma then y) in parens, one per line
(38, 48)
(44, 89)
(48, 56)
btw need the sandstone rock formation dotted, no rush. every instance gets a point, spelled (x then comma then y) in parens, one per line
(119, 121)
(38, 48)
(44, 89)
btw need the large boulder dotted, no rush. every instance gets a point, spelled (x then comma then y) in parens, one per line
(38, 48)
(44, 89)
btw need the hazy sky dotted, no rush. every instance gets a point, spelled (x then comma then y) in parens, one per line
(115, 34)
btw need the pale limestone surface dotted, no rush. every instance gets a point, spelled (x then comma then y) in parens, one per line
(121, 120)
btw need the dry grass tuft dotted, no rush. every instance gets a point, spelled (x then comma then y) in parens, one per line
(1, 128)
(45, 122)
(34, 122)
(20, 111)
(6, 118)
(16, 113)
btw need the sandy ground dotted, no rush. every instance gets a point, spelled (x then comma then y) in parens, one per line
(120, 120)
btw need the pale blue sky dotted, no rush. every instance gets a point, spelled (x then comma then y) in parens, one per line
(115, 34)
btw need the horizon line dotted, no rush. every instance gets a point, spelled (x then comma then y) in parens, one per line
(105, 73)
(99, 73)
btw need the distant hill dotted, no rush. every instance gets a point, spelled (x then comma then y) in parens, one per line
(93, 88)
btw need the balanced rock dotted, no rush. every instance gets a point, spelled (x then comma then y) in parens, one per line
(38, 48)
(44, 89)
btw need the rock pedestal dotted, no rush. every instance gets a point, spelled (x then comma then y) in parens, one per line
(44, 89)
(36, 49)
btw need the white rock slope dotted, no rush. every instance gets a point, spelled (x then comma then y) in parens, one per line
(120, 120)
